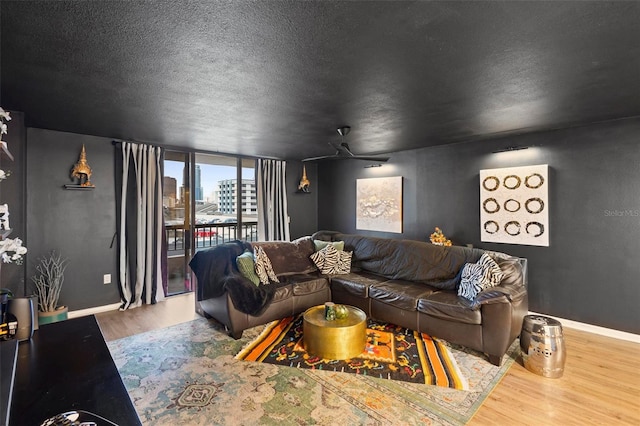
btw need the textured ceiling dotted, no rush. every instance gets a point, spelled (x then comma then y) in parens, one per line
(275, 78)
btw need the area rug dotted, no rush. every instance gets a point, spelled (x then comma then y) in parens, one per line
(391, 352)
(187, 375)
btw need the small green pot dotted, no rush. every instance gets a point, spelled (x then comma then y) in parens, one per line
(59, 314)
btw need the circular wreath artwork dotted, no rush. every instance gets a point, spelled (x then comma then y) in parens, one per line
(491, 226)
(495, 205)
(512, 185)
(534, 200)
(528, 184)
(534, 224)
(512, 228)
(512, 205)
(486, 183)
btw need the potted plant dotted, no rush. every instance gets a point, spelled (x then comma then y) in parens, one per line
(48, 285)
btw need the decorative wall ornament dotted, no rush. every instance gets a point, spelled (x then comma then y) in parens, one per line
(305, 184)
(514, 205)
(82, 172)
(379, 204)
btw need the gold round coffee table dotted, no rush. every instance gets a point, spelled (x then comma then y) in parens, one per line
(337, 339)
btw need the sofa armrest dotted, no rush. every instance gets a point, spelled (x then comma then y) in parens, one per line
(501, 294)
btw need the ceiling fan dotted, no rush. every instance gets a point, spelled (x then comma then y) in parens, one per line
(343, 152)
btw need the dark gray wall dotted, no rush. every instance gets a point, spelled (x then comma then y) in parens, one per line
(590, 271)
(12, 193)
(81, 224)
(78, 224)
(303, 207)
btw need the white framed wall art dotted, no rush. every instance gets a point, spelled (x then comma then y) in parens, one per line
(379, 204)
(514, 205)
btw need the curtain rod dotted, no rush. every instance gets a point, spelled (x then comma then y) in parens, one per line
(199, 151)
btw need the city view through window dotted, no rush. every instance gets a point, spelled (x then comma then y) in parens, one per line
(216, 189)
(215, 193)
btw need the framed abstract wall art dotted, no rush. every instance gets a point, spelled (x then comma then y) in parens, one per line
(514, 205)
(379, 204)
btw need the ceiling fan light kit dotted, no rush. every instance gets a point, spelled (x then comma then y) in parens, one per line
(343, 152)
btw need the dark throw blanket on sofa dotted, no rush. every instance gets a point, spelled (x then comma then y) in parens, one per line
(217, 272)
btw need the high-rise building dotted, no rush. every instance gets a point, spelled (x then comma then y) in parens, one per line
(169, 191)
(228, 191)
(199, 192)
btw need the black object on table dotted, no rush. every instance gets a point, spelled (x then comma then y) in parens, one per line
(66, 366)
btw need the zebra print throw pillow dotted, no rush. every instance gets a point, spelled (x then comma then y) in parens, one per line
(264, 269)
(470, 282)
(331, 261)
(480, 276)
(492, 272)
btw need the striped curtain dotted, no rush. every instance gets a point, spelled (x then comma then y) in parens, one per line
(142, 268)
(273, 215)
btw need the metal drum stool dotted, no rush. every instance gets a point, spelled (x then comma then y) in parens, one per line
(542, 346)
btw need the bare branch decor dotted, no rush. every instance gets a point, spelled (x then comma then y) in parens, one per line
(49, 282)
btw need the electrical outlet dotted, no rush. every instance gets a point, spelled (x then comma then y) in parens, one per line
(106, 279)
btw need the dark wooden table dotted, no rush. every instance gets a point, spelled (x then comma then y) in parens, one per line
(67, 366)
(8, 356)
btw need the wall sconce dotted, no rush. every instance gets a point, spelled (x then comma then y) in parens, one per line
(368, 166)
(510, 148)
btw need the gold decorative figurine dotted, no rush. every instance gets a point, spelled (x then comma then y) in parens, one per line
(304, 185)
(82, 171)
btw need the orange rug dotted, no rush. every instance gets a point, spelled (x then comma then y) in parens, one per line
(391, 352)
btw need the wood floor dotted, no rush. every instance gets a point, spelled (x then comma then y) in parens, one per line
(600, 385)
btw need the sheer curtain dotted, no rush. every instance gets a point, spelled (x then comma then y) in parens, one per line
(273, 215)
(142, 264)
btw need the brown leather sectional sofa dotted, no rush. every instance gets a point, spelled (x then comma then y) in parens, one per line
(408, 283)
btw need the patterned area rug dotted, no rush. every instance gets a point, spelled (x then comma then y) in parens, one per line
(187, 375)
(391, 352)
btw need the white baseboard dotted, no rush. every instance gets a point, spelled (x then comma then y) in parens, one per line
(609, 332)
(91, 311)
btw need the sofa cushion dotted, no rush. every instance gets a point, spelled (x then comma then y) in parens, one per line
(288, 258)
(282, 292)
(410, 260)
(448, 306)
(247, 267)
(302, 284)
(319, 244)
(264, 269)
(331, 261)
(356, 284)
(511, 268)
(401, 294)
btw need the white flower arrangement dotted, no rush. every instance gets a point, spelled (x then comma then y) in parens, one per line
(4, 116)
(11, 249)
